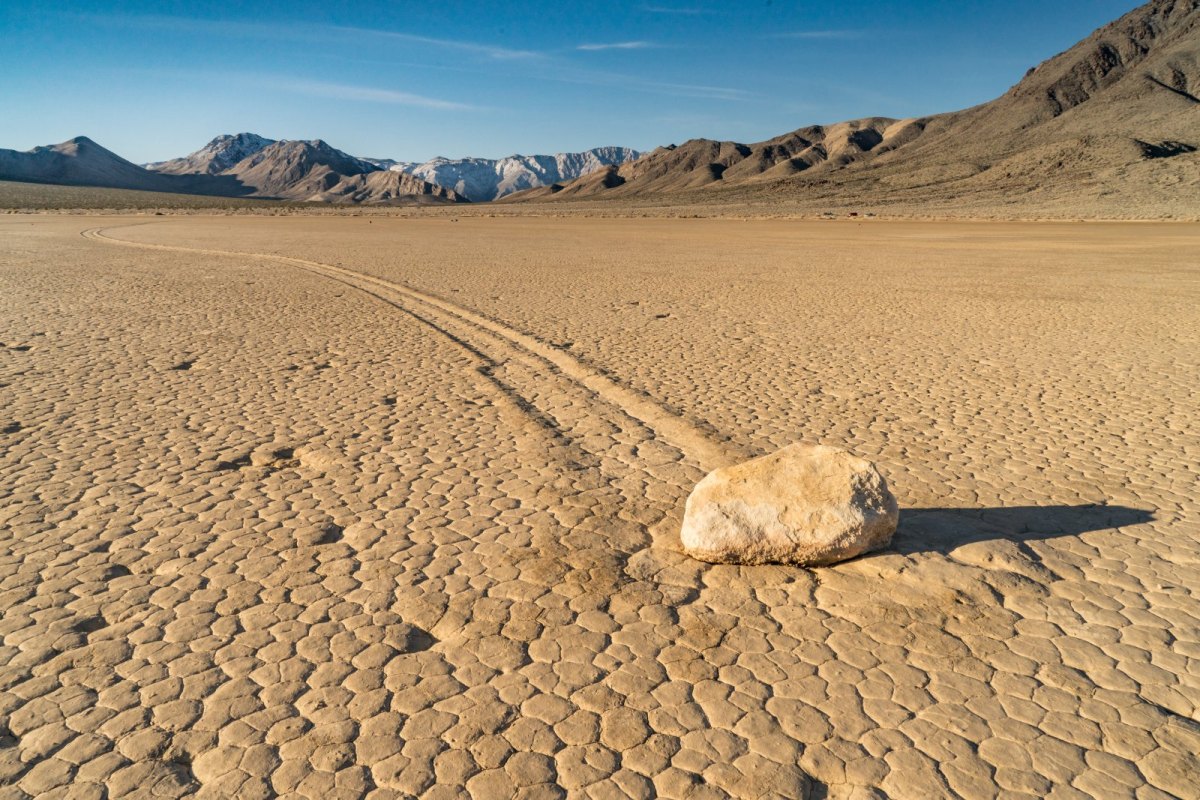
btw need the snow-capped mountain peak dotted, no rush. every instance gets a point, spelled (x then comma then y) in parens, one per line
(217, 156)
(481, 179)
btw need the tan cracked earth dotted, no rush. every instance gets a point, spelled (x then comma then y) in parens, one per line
(341, 507)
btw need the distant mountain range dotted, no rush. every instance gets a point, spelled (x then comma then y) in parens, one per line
(1113, 121)
(475, 179)
(482, 179)
(1115, 116)
(242, 165)
(249, 165)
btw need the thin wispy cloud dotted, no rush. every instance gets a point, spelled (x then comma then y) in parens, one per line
(212, 27)
(341, 91)
(617, 46)
(580, 76)
(616, 80)
(491, 51)
(562, 72)
(837, 34)
(693, 90)
(684, 10)
(305, 32)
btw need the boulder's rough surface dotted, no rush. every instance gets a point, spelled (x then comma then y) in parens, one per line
(805, 504)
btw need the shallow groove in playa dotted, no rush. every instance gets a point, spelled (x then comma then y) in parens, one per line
(676, 430)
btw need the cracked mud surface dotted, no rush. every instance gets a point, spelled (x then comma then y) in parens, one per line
(393, 511)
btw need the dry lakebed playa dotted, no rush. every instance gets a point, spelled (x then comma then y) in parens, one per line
(389, 506)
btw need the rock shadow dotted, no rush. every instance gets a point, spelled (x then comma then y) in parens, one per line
(419, 640)
(940, 530)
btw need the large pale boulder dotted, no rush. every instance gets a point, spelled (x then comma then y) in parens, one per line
(805, 504)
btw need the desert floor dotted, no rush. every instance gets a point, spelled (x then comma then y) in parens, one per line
(390, 507)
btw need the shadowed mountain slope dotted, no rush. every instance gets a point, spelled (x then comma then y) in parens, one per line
(82, 162)
(296, 170)
(217, 156)
(387, 187)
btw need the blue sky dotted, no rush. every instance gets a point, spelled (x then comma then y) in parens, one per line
(411, 80)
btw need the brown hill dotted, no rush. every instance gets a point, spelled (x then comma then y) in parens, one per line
(215, 157)
(1110, 110)
(82, 162)
(295, 170)
(386, 187)
(290, 170)
(310, 171)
